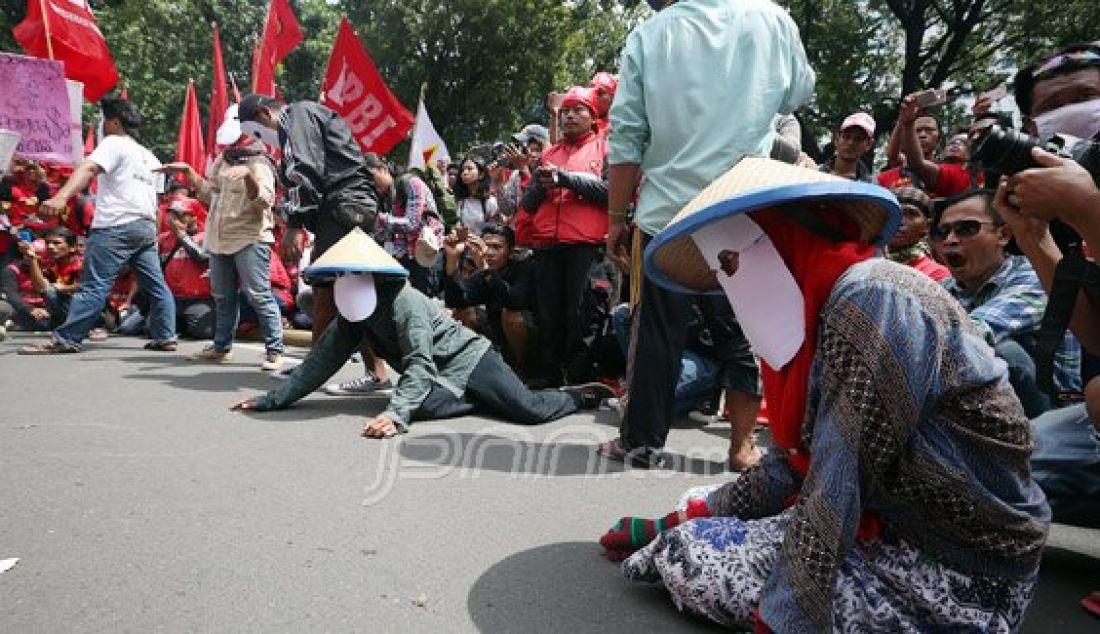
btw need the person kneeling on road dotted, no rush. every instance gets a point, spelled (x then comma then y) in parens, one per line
(446, 369)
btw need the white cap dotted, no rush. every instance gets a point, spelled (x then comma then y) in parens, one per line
(862, 120)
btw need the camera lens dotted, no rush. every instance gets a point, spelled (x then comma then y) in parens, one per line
(1006, 151)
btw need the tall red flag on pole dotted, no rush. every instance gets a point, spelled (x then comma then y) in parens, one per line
(189, 142)
(354, 90)
(219, 98)
(281, 34)
(67, 31)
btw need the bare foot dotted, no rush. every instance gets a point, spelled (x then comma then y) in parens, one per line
(746, 456)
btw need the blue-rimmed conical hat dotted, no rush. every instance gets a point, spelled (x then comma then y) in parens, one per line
(354, 253)
(673, 261)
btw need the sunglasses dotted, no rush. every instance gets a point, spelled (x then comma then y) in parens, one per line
(961, 228)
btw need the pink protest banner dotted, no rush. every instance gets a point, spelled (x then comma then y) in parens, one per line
(34, 101)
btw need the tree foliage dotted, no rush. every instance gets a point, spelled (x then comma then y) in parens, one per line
(487, 65)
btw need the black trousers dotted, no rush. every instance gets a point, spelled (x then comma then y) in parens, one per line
(495, 390)
(657, 339)
(562, 277)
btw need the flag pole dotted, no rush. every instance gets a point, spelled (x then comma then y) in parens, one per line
(412, 131)
(46, 25)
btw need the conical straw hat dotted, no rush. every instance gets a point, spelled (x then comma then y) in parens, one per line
(673, 261)
(354, 253)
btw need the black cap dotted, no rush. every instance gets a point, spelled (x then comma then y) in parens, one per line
(249, 108)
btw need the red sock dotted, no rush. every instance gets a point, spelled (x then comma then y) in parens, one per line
(633, 533)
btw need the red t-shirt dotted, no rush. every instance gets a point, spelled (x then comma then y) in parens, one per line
(953, 179)
(281, 284)
(186, 278)
(121, 290)
(523, 224)
(26, 288)
(66, 273)
(931, 268)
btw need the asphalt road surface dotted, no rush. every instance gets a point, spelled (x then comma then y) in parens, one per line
(135, 501)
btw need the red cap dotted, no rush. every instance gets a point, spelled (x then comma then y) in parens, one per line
(581, 95)
(606, 81)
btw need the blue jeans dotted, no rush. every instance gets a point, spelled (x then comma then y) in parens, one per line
(698, 374)
(250, 269)
(1066, 465)
(58, 306)
(107, 249)
(1023, 377)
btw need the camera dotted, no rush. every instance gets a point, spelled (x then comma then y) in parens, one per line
(501, 158)
(1009, 152)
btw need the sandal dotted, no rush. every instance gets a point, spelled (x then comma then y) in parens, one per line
(162, 346)
(48, 347)
(645, 459)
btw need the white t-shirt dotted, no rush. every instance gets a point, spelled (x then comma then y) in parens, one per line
(127, 186)
(474, 213)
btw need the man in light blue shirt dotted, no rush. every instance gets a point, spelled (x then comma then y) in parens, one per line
(700, 84)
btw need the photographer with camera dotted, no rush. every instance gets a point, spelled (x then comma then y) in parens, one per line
(522, 157)
(186, 265)
(494, 296)
(1060, 95)
(567, 201)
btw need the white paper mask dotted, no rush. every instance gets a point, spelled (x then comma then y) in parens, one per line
(355, 296)
(261, 132)
(1081, 120)
(764, 295)
(230, 130)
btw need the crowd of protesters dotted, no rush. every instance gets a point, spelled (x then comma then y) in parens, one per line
(533, 247)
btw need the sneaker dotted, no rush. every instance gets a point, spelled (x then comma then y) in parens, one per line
(210, 353)
(162, 346)
(97, 334)
(364, 385)
(49, 347)
(590, 394)
(3, 332)
(272, 362)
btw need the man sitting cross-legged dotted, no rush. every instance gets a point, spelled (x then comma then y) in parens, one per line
(446, 369)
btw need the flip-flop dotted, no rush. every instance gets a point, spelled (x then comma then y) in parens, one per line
(617, 451)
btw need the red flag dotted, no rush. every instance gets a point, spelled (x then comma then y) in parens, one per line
(89, 140)
(219, 99)
(67, 31)
(354, 89)
(189, 143)
(281, 34)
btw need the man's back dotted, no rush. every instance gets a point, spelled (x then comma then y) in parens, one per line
(700, 84)
(324, 164)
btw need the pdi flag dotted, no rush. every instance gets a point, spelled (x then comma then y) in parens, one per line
(355, 91)
(427, 146)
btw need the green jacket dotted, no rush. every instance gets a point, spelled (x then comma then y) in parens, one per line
(411, 332)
